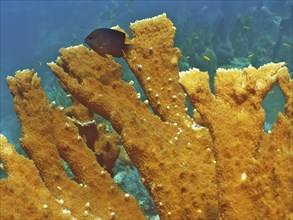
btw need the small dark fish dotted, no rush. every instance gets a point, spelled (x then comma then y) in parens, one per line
(107, 41)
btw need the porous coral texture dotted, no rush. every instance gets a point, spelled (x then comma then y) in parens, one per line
(23, 193)
(173, 156)
(228, 169)
(254, 169)
(47, 136)
(170, 150)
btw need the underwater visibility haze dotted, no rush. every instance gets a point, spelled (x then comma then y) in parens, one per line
(212, 36)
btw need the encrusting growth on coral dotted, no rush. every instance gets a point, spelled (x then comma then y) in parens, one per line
(106, 147)
(104, 144)
(228, 169)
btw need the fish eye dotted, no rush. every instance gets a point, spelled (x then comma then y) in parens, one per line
(89, 37)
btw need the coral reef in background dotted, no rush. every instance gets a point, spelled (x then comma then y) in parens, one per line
(129, 179)
(256, 35)
(219, 164)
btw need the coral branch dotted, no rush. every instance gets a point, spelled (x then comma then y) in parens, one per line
(24, 194)
(250, 170)
(229, 169)
(150, 141)
(47, 132)
(154, 61)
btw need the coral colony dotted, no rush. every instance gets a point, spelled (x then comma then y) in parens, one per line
(218, 164)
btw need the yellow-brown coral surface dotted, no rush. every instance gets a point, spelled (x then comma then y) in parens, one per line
(229, 169)
(47, 136)
(158, 144)
(254, 169)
